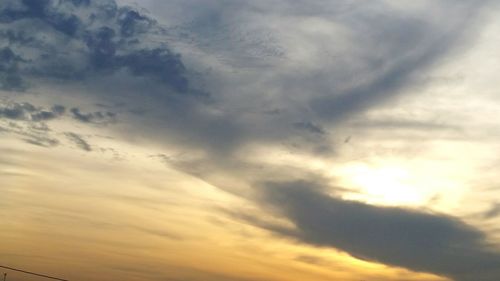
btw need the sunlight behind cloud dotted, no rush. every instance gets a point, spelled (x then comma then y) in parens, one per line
(387, 185)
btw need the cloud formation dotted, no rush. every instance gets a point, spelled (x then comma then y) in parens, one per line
(32, 123)
(79, 141)
(98, 37)
(401, 237)
(97, 117)
(28, 112)
(10, 78)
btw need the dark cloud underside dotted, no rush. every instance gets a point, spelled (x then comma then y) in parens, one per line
(415, 240)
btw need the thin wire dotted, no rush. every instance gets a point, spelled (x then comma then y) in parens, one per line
(33, 273)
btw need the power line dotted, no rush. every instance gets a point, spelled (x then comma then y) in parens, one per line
(32, 273)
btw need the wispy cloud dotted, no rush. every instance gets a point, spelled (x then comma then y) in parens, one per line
(79, 141)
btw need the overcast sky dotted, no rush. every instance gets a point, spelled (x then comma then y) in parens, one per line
(250, 140)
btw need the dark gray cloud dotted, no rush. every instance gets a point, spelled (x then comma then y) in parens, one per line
(159, 233)
(10, 78)
(98, 117)
(97, 37)
(416, 240)
(309, 127)
(312, 260)
(493, 212)
(412, 47)
(105, 39)
(39, 140)
(28, 112)
(31, 123)
(79, 141)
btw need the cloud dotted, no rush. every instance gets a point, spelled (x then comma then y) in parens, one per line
(79, 141)
(326, 75)
(97, 117)
(158, 232)
(31, 123)
(337, 61)
(10, 78)
(317, 63)
(309, 127)
(415, 240)
(97, 37)
(39, 140)
(409, 47)
(311, 260)
(306, 79)
(493, 212)
(402, 124)
(28, 112)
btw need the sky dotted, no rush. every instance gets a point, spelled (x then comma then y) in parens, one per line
(231, 140)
